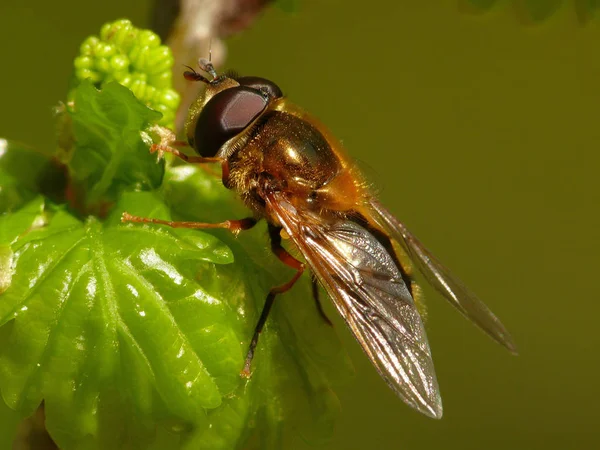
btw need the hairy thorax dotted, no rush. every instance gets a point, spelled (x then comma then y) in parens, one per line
(287, 153)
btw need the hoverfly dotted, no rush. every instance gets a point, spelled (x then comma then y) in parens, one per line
(290, 171)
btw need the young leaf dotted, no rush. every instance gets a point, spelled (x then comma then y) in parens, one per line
(110, 155)
(24, 173)
(9, 420)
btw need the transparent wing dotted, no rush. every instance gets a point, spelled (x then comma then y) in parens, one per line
(368, 291)
(440, 277)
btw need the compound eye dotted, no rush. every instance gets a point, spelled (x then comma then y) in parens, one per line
(262, 84)
(225, 115)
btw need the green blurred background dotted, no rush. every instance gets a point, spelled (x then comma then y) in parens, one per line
(482, 134)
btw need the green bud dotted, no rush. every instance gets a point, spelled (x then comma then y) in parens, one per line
(139, 57)
(88, 47)
(83, 74)
(123, 23)
(169, 98)
(151, 93)
(83, 62)
(108, 30)
(105, 50)
(121, 76)
(148, 38)
(140, 76)
(126, 80)
(125, 38)
(138, 87)
(162, 80)
(119, 63)
(134, 58)
(102, 65)
(160, 59)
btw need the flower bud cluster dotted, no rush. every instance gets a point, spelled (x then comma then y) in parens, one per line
(134, 58)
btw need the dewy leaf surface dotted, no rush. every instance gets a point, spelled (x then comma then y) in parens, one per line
(114, 328)
(11, 227)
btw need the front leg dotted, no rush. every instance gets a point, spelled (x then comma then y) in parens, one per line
(235, 226)
(168, 144)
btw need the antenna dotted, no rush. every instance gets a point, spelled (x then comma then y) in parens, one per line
(206, 65)
(192, 75)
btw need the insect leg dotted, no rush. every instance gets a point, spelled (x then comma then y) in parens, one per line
(235, 226)
(170, 148)
(315, 292)
(288, 260)
(168, 142)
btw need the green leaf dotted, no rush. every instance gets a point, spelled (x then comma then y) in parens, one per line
(111, 156)
(116, 329)
(12, 226)
(9, 421)
(24, 173)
